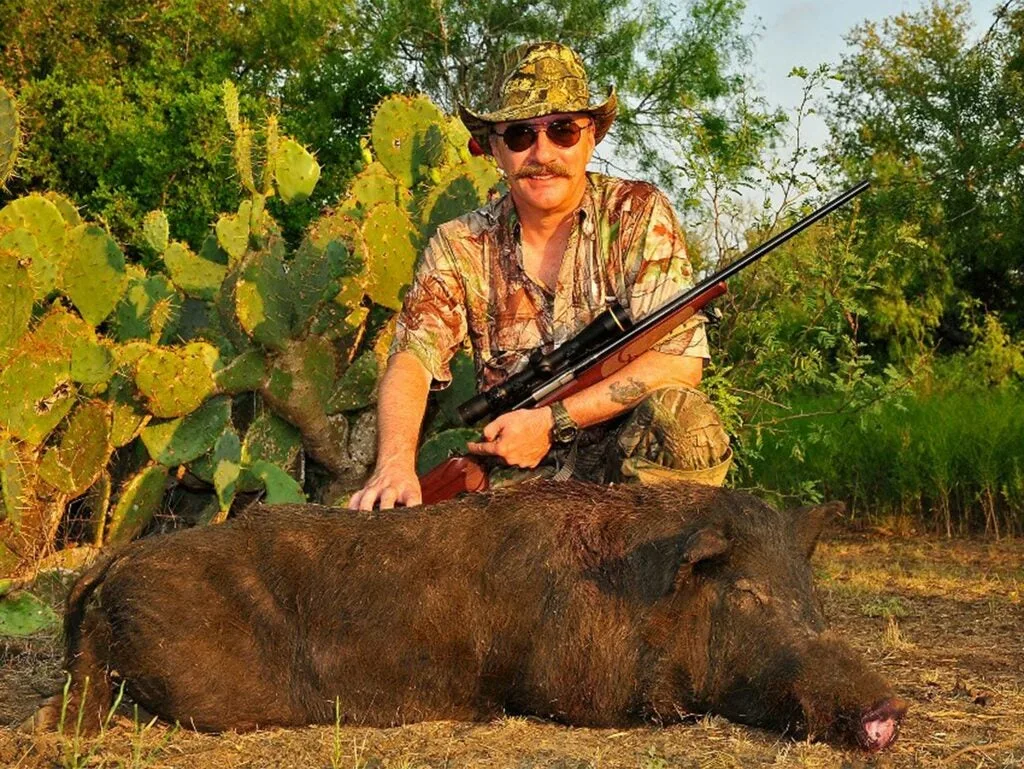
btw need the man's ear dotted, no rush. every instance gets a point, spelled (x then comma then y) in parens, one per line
(649, 571)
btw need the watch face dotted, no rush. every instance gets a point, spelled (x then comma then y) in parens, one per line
(565, 433)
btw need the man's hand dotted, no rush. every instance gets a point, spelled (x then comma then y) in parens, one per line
(522, 438)
(391, 482)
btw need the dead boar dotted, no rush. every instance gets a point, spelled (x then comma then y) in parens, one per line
(588, 605)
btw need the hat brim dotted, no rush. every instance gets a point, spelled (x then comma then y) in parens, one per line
(480, 124)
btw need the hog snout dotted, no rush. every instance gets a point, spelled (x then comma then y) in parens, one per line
(880, 725)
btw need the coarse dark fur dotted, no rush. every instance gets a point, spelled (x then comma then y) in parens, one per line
(584, 604)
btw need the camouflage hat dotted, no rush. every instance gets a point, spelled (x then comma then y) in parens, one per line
(539, 79)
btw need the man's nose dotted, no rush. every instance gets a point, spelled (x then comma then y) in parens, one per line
(543, 148)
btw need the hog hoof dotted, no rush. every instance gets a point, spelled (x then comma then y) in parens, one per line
(880, 725)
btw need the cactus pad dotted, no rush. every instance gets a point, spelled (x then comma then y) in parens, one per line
(149, 309)
(233, 231)
(10, 135)
(92, 362)
(371, 186)
(199, 278)
(139, 500)
(356, 386)
(181, 440)
(408, 136)
(17, 482)
(175, 381)
(96, 503)
(95, 275)
(281, 488)
(231, 105)
(76, 462)
(315, 274)
(262, 299)
(295, 170)
(36, 391)
(391, 245)
(445, 444)
(42, 218)
(245, 373)
(227, 467)
(156, 230)
(462, 189)
(270, 439)
(67, 209)
(23, 614)
(129, 416)
(15, 299)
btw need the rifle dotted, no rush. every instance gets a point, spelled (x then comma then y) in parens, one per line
(604, 346)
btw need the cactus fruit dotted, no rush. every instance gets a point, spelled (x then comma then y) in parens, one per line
(77, 461)
(156, 230)
(149, 309)
(295, 170)
(95, 275)
(407, 137)
(37, 215)
(391, 246)
(139, 500)
(10, 136)
(233, 231)
(175, 381)
(15, 299)
(197, 277)
(262, 301)
(183, 439)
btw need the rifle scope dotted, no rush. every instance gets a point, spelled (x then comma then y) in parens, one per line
(542, 366)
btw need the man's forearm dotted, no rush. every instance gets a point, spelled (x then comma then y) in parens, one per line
(632, 383)
(401, 403)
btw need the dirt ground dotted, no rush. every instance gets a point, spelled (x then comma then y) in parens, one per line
(944, 619)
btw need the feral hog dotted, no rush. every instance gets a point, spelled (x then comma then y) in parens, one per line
(585, 604)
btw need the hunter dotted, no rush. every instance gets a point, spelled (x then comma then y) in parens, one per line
(531, 269)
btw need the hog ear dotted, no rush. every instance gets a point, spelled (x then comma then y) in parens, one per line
(809, 522)
(649, 572)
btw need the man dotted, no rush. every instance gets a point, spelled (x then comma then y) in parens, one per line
(532, 269)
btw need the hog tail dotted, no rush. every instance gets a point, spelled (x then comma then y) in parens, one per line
(85, 704)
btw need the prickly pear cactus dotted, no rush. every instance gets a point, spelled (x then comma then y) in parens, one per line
(10, 135)
(45, 251)
(77, 461)
(409, 138)
(176, 381)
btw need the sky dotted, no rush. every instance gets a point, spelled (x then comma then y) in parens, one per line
(810, 32)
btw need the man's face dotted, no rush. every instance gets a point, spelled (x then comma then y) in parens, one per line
(545, 176)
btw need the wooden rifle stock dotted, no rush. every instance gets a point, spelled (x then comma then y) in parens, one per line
(466, 474)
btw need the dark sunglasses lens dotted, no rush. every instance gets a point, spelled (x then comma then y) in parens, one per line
(519, 137)
(564, 133)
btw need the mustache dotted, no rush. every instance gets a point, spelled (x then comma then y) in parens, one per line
(554, 168)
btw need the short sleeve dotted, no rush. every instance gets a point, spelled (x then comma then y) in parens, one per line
(657, 269)
(432, 322)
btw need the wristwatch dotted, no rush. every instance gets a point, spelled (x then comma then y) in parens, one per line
(565, 429)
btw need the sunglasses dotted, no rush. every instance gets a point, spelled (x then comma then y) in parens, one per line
(521, 136)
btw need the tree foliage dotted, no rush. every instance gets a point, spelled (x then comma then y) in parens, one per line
(938, 122)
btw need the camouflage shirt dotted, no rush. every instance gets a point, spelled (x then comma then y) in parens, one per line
(625, 244)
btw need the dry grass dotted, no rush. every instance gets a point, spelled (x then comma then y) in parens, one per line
(943, 619)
